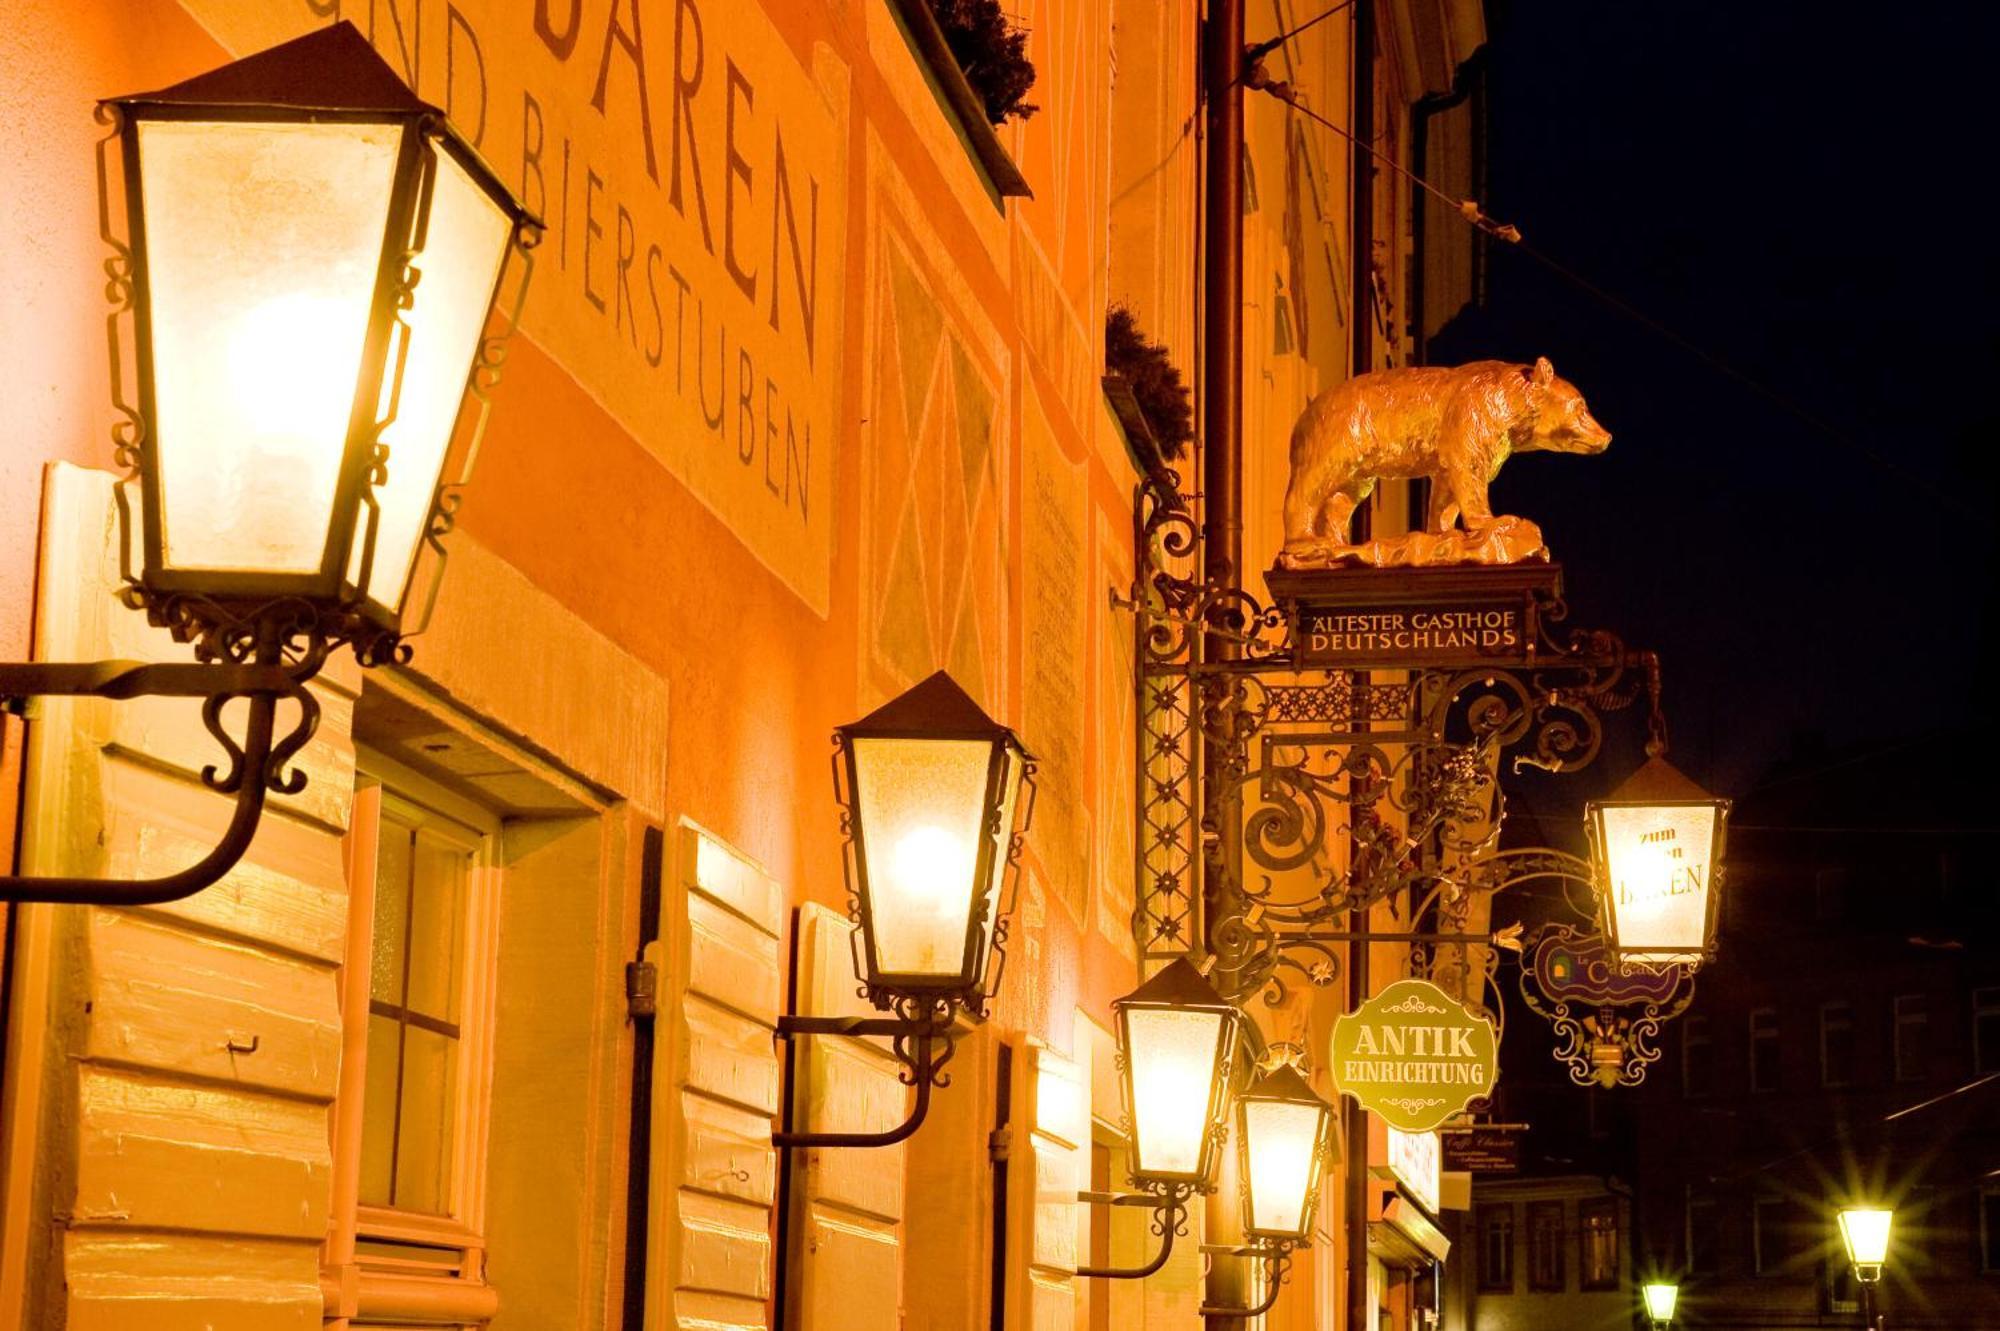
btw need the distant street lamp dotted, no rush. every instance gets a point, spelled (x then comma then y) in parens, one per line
(1657, 843)
(1864, 1232)
(312, 256)
(1661, 1296)
(931, 794)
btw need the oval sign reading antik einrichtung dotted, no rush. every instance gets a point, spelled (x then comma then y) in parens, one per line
(1415, 1055)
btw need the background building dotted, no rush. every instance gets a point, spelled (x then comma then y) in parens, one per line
(808, 405)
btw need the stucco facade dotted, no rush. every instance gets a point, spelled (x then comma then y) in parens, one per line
(803, 410)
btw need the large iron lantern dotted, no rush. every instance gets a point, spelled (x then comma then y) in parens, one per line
(1864, 1232)
(1658, 844)
(1284, 1134)
(314, 253)
(1176, 1045)
(1661, 1298)
(933, 786)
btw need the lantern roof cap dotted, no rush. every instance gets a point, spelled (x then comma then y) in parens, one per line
(1659, 782)
(329, 69)
(1178, 984)
(1285, 1082)
(936, 707)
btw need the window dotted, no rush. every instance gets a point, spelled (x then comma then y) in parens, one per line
(1986, 1030)
(416, 996)
(1597, 1229)
(1772, 1235)
(1697, 1058)
(1704, 1248)
(1989, 1230)
(1836, 1044)
(1281, 319)
(1545, 1245)
(1764, 1049)
(1496, 1247)
(1911, 1020)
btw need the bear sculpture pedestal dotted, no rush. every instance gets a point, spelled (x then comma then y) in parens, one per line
(1502, 540)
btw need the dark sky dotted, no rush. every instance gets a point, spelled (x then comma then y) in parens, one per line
(1800, 189)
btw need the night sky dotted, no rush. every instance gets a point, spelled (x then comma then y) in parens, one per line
(1799, 189)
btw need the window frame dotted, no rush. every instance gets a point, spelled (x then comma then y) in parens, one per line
(1919, 1017)
(1489, 1281)
(1695, 1035)
(1774, 1037)
(383, 784)
(1826, 1077)
(1770, 1253)
(1558, 1279)
(1587, 1209)
(1692, 1201)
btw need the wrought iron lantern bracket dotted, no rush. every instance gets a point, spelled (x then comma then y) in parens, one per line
(920, 1041)
(1169, 1204)
(1276, 1256)
(257, 766)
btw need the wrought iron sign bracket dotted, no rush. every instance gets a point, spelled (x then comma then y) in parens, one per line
(256, 767)
(1277, 1259)
(1170, 1214)
(923, 1045)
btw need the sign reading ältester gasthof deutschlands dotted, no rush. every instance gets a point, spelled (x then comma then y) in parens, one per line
(1356, 618)
(1415, 1055)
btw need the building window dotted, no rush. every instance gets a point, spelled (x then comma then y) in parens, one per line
(1986, 1030)
(1764, 1049)
(1989, 1230)
(1704, 1249)
(422, 945)
(1281, 319)
(1496, 1247)
(1697, 1058)
(1836, 1044)
(1771, 1236)
(1597, 1229)
(1545, 1245)
(1911, 1022)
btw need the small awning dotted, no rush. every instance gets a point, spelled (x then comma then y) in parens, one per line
(1405, 1237)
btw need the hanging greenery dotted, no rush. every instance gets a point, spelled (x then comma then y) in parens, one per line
(1163, 396)
(991, 53)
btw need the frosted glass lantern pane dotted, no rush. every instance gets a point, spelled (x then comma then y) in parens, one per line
(920, 802)
(1657, 858)
(1282, 1139)
(1866, 1234)
(1011, 769)
(1660, 1301)
(1171, 1059)
(460, 263)
(263, 243)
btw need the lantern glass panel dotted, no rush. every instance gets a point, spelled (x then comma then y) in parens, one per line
(263, 242)
(466, 241)
(1865, 1231)
(921, 806)
(1173, 1060)
(1658, 861)
(1660, 1301)
(1011, 770)
(1282, 1139)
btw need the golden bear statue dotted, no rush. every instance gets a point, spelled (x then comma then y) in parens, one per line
(1455, 425)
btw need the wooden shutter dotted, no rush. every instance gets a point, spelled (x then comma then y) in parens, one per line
(847, 1211)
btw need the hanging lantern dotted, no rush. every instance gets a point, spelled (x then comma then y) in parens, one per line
(1660, 1300)
(933, 786)
(1658, 843)
(1176, 1041)
(1284, 1134)
(314, 254)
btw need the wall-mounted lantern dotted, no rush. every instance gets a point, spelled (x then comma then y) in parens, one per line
(1657, 843)
(1661, 1296)
(1284, 1133)
(935, 800)
(312, 257)
(1177, 1041)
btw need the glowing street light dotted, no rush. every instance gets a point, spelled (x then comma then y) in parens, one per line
(1658, 843)
(1284, 1132)
(1177, 1043)
(1864, 1231)
(1661, 1296)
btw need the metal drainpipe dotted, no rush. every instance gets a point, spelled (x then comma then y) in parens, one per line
(1463, 82)
(1222, 452)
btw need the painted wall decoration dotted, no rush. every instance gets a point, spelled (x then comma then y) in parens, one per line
(693, 178)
